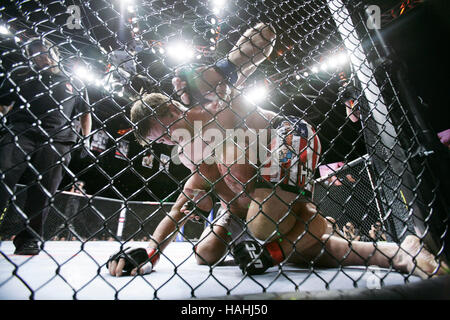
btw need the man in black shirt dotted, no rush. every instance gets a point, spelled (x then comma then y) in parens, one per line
(42, 107)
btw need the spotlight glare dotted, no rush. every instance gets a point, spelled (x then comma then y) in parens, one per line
(218, 5)
(80, 71)
(4, 30)
(84, 74)
(314, 69)
(341, 58)
(180, 51)
(255, 94)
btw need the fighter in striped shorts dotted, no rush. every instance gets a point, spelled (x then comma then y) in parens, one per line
(295, 152)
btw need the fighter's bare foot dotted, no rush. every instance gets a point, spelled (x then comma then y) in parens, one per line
(415, 259)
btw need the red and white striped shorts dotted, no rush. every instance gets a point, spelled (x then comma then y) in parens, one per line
(294, 155)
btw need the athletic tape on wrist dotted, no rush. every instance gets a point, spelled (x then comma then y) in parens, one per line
(146, 267)
(275, 251)
(227, 69)
(154, 257)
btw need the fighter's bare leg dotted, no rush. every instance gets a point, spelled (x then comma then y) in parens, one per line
(306, 240)
(410, 256)
(304, 243)
(212, 246)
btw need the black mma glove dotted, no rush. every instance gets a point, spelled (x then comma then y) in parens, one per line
(190, 75)
(349, 92)
(255, 259)
(137, 257)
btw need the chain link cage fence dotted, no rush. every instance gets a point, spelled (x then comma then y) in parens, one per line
(66, 178)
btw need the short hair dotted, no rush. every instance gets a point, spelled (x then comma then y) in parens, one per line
(149, 106)
(34, 45)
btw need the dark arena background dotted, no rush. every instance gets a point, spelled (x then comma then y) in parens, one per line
(371, 78)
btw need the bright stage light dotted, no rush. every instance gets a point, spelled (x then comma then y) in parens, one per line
(256, 94)
(180, 51)
(85, 75)
(315, 69)
(80, 71)
(337, 60)
(332, 62)
(218, 5)
(4, 30)
(341, 58)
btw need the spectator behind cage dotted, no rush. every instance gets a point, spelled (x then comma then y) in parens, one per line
(42, 103)
(376, 232)
(78, 187)
(350, 232)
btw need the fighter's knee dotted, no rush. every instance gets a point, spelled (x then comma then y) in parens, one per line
(206, 255)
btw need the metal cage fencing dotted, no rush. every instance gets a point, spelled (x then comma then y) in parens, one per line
(327, 72)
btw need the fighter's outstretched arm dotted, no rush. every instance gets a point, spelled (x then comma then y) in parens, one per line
(124, 262)
(215, 81)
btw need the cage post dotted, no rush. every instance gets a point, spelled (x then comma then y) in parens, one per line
(402, 187)
(429, 157)
(392, 181)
